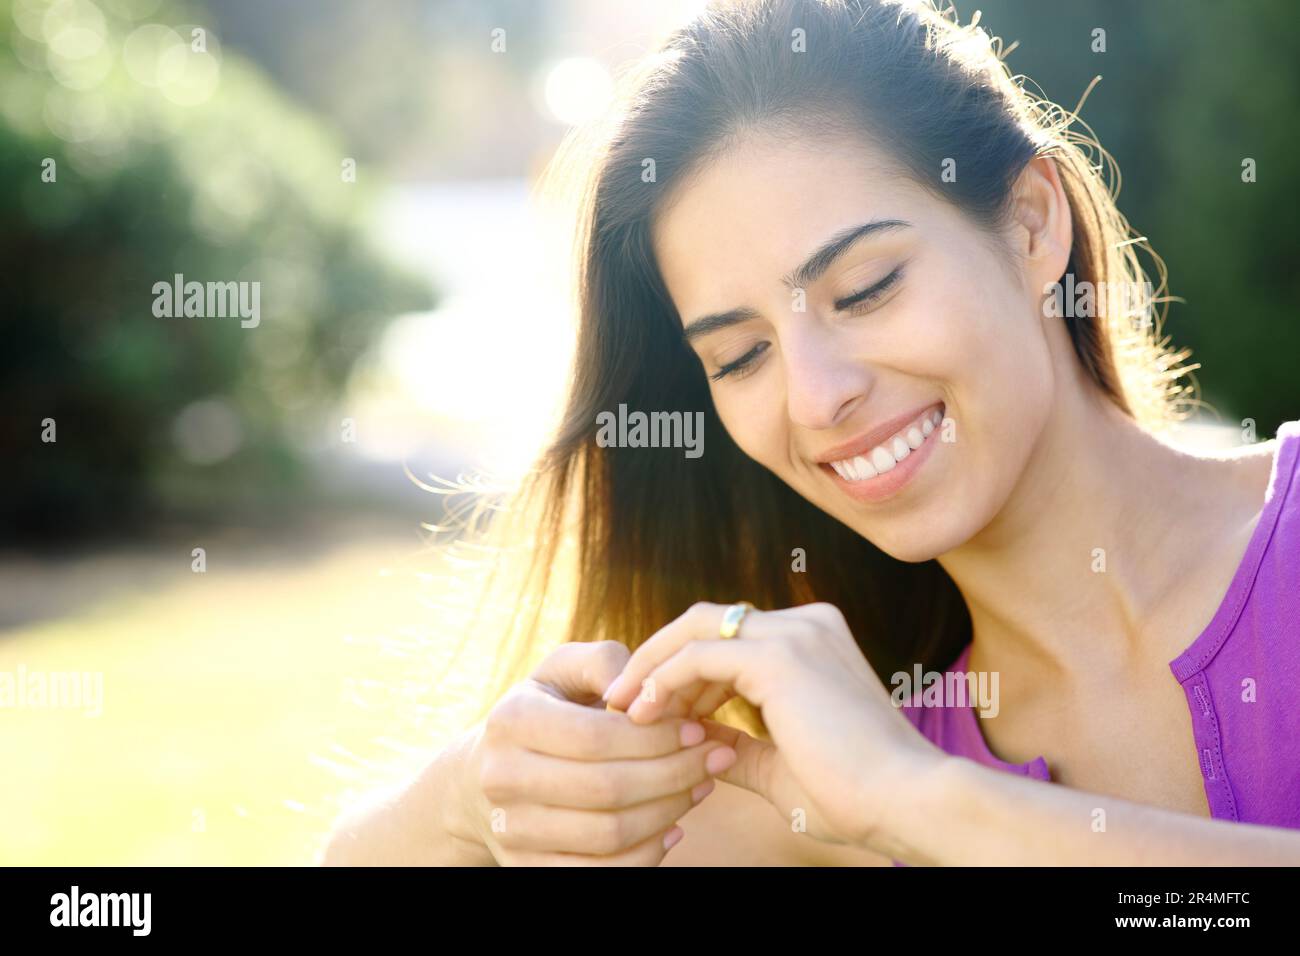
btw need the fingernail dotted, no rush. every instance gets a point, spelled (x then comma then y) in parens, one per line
(609, 690)
(692, 734)
(702, 790)
(719, 760)
(672, 836)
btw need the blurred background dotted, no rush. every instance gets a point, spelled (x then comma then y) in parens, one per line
(226, 524)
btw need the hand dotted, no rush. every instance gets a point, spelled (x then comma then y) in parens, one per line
(840, 750)
(556, 779)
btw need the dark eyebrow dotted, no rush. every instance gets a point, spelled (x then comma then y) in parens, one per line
(836, 246)
(804, 276)
(719, 320)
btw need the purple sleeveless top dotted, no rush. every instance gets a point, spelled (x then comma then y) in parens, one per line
(1241, 675)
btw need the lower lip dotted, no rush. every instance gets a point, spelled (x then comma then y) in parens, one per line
(891, 482)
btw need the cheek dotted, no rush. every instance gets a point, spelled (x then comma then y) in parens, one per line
(754, 416)
(986, 338)
(996, 363)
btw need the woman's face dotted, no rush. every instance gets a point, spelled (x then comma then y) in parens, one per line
(837, 392)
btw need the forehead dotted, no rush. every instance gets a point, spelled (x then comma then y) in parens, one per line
(743, 220)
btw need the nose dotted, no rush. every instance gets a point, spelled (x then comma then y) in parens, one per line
(824, 383)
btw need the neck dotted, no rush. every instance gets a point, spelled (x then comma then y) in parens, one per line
(1103, 523)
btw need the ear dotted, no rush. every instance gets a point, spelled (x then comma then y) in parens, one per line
(1041, 221)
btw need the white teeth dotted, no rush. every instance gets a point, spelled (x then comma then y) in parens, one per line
(882, 459)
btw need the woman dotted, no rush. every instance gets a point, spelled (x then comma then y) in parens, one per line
(839, 231)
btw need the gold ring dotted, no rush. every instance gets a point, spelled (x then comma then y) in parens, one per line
(731, 619)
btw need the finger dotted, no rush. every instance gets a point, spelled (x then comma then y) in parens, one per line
(649, 852)
(594, 832)
(685, 704)
(754, 758)
(713, 697)
(581, 671)
(721, 661)
(527, 777)
(701, 621)
(682, 702)
(542, 723)
(679, 708)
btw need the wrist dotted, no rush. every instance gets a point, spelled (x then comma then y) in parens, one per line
(460, 813)
(923, 803)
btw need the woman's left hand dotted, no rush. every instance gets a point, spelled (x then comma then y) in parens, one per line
(841, 752)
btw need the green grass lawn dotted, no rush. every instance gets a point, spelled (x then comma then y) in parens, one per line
(241, 707)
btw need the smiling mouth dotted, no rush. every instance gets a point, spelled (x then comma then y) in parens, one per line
(884, 457)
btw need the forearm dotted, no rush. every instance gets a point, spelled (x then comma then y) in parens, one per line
(961, 813)
(424, 823)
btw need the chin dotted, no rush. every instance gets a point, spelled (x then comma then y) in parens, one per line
(909, 550)
(920, 537)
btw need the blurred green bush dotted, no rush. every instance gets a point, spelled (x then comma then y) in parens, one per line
(169, 156)
(1189, 90)
(171, 160)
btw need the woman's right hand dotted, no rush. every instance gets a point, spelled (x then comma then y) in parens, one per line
(555, 779)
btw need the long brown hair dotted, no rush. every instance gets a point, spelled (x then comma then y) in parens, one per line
(643, 533)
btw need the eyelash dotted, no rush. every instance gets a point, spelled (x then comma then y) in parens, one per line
(869, 295)
(853, 304)
(737, 369)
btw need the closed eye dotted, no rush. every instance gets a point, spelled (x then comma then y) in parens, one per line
(870, 295)
(738, 367)
(856, 304)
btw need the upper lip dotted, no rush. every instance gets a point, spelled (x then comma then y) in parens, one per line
(876, 436)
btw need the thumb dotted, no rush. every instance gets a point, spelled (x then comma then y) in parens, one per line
(581, 670)
(752, 770)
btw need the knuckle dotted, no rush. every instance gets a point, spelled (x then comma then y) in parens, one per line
(492, 775)
(612, 652)
(610, 833)
(607, 790)
(826, 614)
(603, 662)
(700, 609)
(503, 718)
(592, 736)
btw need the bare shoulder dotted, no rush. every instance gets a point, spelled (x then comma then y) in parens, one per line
(1250, 464)
(1236, 478)
(733, 827)
(1252, 468)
